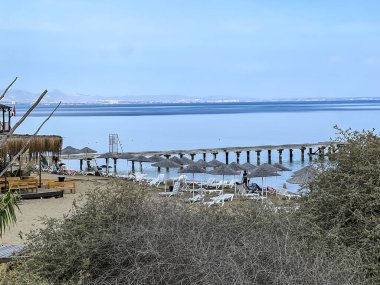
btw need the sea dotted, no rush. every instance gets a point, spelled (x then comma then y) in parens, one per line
(170, 126)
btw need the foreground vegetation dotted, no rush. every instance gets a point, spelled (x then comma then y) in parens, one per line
(126, 236)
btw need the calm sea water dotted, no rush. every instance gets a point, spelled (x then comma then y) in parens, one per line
(143, 127)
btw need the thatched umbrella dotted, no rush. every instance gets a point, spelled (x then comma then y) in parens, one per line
(308, 168)
(235, 166)
(215, 163)
(262, 171)
(140, 159)
(248, 166)
(303, 176)
(87, 150)
(203, 164)
(223, 170)
(156, 158)
(109, 155)
(177, 160)
(193, 168)
(69, 150)
(166, 163)
(281, 167)
(126, 156)
(187, 161)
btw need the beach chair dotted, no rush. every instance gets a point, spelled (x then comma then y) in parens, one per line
(232, 183)
(219, 200)
(284, 193)
(244, 194)
(196, 198)
(207, 183)
(157, 181)
(175, 191)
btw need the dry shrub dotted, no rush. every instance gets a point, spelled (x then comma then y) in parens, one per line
(124, 236)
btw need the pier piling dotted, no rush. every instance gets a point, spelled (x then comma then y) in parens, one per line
(303, 154)
(226, 157)
(290, 154)
(248, 156)
(280, 155)
(269, 156)
(258, 156)
(238, 157)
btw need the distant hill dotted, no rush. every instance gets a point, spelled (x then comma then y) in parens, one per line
(54, 96)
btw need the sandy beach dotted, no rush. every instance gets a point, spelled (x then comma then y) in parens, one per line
(32, 211)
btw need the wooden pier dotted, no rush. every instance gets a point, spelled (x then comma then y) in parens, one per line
(321, 149)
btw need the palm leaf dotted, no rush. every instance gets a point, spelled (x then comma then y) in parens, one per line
(9, 202)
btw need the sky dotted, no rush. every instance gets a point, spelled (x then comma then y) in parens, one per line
(264, 49)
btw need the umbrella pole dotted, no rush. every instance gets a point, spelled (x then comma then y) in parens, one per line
(235, 184)
(262, 189)
(223, 184)
(193, 185)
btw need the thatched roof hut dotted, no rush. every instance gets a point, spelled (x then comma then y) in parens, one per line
(39, 143)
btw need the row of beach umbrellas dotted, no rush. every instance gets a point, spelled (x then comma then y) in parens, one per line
(301, 177)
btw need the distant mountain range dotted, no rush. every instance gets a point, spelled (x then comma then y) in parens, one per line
(54, 96)
(15, 96)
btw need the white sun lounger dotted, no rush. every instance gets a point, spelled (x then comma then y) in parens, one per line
(284, 193)
(219, 200)
(175, 191)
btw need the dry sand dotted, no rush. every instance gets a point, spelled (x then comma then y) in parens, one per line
(32, 210)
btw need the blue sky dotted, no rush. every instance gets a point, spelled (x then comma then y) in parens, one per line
(236, 49)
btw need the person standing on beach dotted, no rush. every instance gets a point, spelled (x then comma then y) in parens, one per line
(245, 179)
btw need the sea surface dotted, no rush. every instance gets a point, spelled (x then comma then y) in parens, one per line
(143, 127)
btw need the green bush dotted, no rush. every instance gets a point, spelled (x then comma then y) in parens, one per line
(344, 202)
(124, 236)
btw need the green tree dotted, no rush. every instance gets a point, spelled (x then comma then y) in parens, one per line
(344, 202)
(9, 203)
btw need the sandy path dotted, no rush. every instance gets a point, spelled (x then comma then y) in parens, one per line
(33, 210)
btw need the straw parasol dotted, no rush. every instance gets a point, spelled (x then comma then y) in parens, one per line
(223, 170)
(215, 163)
(187, 161)
(193, 168)
(235, 166)
(263, 171)
(280, 167)
(177, 160)
(69, 150)
(156, 158)
(166, 163)
(248, 166)
(303, 176)
(203, 164)
(87, 150)
(125, 155)
(109, 155)
(141, 159)
(308, 168)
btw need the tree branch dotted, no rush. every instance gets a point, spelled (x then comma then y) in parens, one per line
(27, 143)
(3, 140)
(6, 90)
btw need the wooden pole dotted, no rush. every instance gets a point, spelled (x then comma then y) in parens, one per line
(6, 90)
